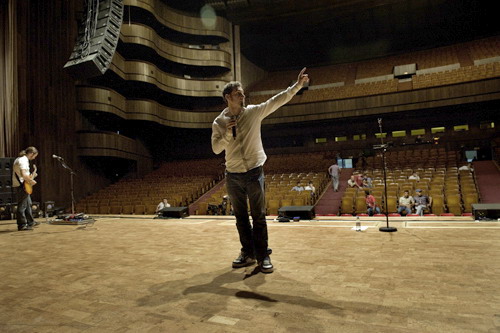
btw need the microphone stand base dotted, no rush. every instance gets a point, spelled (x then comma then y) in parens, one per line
(388, 229)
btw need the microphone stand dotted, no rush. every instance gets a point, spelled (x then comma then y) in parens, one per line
(383, 148)
(72, 173)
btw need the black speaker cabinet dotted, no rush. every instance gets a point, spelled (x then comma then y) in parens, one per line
(304, 212)
(5, 212)
(7, 198)
(5, 183)
(178, 212)
(6, 166)
(486, 211)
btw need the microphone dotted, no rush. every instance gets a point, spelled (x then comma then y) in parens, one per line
(57, 157)
(234, 128)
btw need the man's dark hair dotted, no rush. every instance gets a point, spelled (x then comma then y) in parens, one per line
(229, 87)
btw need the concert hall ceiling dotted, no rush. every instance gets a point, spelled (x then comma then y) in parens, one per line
(287, 34)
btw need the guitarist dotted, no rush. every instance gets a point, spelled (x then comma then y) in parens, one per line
(22, 181)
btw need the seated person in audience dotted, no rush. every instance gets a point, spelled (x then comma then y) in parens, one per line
(298, 187)
(466, 167)
(419, 139)
(366, 184)
(351, 182)
(406, 203)
(162, 205)
(368, 180)
(223, 205)
(415, 176)
(371, 204)
(310, 187)
(422, 202)
(359, 180)
(355, 181)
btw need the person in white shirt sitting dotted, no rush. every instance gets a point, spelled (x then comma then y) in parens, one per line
(415, 176)
(298, 187)
(161, 205)
(310, 187)
(406, 203)
(466, 167)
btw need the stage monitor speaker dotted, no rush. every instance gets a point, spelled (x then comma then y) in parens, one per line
(94, 50)
(178, 212)
(486, 211)
(304, 212)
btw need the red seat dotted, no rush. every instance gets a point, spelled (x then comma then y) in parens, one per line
(394, 214)
(362, 214)
(466, 214)
(413, 214)
(379, 215)
(345, 214)
(429, 214)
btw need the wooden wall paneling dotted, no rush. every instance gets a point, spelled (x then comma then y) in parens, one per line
(47, 110)
(181, 22)
(149, 73)
(107, 100)
(468, 92)
(144, 35)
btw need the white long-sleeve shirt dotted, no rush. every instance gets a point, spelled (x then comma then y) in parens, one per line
(246, 151)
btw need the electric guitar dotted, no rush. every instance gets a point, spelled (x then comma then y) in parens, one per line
(28, 187)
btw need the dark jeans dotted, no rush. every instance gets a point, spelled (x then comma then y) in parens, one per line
(24, 215)
(372, 211)
(241, 186)
(402, 209)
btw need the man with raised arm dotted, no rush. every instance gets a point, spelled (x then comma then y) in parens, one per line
(237, 131)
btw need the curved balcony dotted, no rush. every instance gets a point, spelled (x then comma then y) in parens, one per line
(105, 100)
(149, 73)
(146, 36)
(183, 22)
(110, 144)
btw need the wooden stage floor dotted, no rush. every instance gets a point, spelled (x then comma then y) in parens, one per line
(139, 274)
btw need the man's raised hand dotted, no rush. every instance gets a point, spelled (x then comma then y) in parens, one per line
(303, 77)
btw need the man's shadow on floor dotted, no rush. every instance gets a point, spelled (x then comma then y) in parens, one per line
(218, 283)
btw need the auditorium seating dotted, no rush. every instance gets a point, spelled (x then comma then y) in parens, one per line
(452, 191)
(181, 182)
(278, 191)
(435, 67)
(282, 172)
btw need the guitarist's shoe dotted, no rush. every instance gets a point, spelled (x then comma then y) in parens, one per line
(24, 228)
(35, 224)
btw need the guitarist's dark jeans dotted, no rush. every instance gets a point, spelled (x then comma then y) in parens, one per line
(24, 214)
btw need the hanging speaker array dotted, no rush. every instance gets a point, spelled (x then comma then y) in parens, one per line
(97, 40)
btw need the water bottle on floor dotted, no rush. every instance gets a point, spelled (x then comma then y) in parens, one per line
(358, 224)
